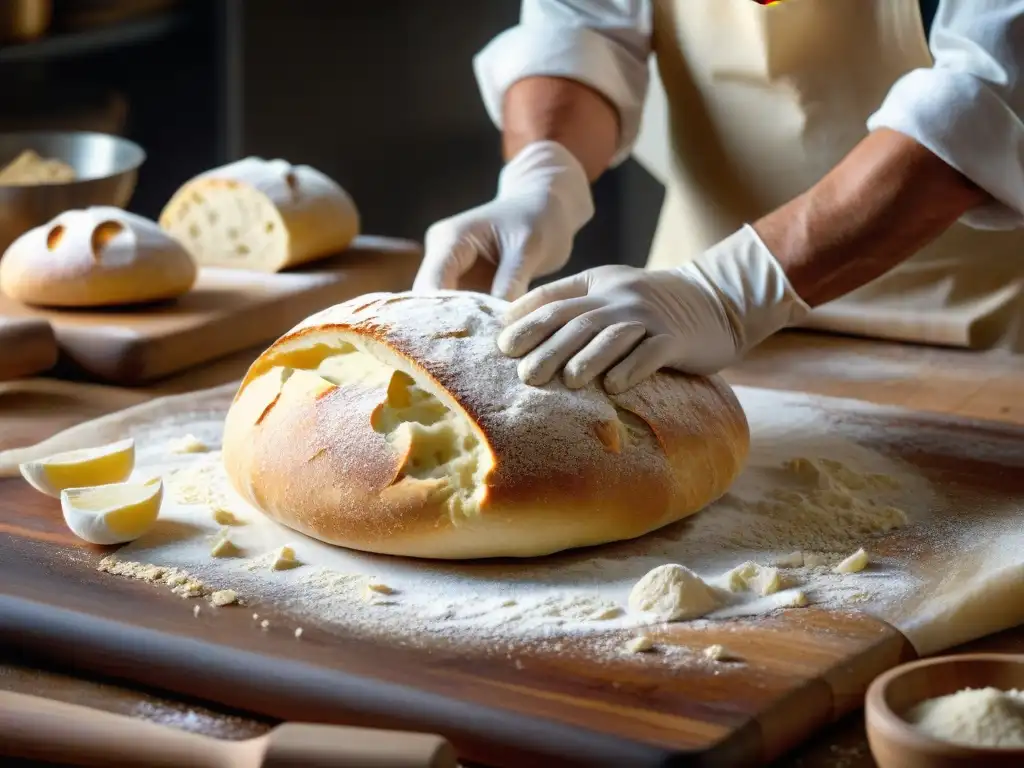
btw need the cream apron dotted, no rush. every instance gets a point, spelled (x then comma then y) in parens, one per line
(750, 105)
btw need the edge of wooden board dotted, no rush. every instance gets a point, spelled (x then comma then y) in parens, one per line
(140, 360)
(286, 689)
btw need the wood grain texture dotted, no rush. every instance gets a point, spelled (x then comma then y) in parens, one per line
(27, 346)
(226, 311)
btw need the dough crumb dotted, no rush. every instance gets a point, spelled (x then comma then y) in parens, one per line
(284, 560)
(224, 597)
(195, 611)
(718, 652)
(855, 563)
(298, 632)
(640, 644)
(374, 593)
(750, 576)
(264, 624)
(255, 617)
(815, 560)
(672, 592)
(797, 600)
(180, 582)
(224, 547)
(792, 560)
(225, 517)
(188, 444)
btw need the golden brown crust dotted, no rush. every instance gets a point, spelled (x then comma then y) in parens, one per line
(569, 468)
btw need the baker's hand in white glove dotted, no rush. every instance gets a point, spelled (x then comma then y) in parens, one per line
(627, 323)
(526, 231)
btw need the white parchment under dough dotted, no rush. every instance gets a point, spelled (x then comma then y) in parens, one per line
(953, 573)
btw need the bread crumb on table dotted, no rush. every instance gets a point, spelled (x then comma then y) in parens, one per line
(640, 644)
(224, 597)
(855, 563)
(223, 516)
(223, 546)
(718, 652)
(284, 559)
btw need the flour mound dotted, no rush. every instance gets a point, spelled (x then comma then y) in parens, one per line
(975, 717)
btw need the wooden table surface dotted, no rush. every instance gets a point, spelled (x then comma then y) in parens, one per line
(979, 385)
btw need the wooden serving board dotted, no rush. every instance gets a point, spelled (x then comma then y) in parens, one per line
(535, 706)
(227, 311)
(27, 346)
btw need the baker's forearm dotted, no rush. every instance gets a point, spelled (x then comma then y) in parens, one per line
(556, 109)
(888, 198)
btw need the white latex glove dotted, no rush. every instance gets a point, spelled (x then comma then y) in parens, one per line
(526, 231)
(629, 322)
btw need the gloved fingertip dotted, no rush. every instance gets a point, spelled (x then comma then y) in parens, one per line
(573, 381)
(620, 378)
(514, 313)
(531, 376)
(506, 343)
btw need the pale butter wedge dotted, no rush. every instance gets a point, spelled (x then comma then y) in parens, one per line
(86, 467)
(112, 514)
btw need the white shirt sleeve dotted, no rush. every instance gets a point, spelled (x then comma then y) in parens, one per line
(604, 44)
(968, 108)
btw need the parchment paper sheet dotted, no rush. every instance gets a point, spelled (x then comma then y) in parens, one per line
(966, 555)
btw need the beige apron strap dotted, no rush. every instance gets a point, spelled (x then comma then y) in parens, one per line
(753, 104)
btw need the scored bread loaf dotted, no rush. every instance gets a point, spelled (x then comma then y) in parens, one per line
(264, 215)
(391, 423)
(96, 257)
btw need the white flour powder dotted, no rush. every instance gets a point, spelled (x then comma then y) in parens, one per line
(806, 489)
(983, 717)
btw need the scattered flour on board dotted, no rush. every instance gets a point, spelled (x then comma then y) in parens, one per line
(807, 490)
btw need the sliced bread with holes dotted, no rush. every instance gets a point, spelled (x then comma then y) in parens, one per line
(264, 215)
(100, 256)
(391, 423)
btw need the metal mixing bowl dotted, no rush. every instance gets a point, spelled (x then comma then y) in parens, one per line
(106, 168)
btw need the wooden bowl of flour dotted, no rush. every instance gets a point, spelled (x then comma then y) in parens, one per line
(902, 736)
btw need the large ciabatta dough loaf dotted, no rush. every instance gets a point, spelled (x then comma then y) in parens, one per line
(391, 423)
(96, 257)
(259, 214)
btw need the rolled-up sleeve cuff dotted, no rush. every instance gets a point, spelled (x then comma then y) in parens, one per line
(575, 53)
(965, 122)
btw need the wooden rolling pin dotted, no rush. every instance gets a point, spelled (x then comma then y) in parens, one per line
(27, 346)
(43, 729)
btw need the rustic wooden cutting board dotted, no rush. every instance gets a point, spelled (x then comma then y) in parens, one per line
(227, 311)
(803, 668)
(27, 346)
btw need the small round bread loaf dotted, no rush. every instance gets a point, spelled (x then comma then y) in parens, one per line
(96, 257)
(391, 423)
(265, 215)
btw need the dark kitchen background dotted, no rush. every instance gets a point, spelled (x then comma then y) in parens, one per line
(378, 95)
